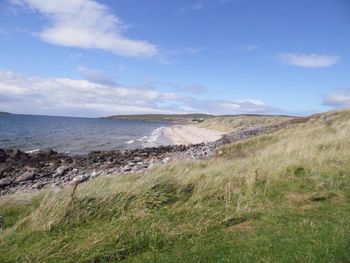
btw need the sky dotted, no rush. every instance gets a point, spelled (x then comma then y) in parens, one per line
(94, 58)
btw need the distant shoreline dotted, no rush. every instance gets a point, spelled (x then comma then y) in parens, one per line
(167, 118)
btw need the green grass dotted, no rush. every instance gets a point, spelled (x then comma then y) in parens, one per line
(233, 123)
(282, 197)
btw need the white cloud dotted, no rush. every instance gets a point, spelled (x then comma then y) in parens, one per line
(64, 96)
(339, 99)
(194, 7)
(87, 24)
(308, 60)
(242, 106)
(246, 106)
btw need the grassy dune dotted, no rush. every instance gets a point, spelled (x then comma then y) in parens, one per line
(233, 123)
(281, 197)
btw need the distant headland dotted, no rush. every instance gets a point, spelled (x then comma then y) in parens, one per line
(180, 118)
(175, 118)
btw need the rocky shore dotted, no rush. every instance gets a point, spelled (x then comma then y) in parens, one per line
(20, 171)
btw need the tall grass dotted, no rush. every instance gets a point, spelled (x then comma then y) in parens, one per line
(233, 123)
(290, 187)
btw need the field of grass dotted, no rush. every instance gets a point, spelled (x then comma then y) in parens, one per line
(233, 123)
(281, 197)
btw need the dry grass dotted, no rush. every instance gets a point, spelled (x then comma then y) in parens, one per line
(231, 124)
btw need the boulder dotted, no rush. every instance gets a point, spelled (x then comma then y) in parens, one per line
(4, 169)
(18, 155)
(93, 174)
(49, 152)
(5, 182)
(27, 176)
(81, 178)
(60, 171)
(3, 156)
(137, 159)
(126, 169)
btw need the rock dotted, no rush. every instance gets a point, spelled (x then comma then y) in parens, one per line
(166, 160)
(5, 182)
(60, 171)
(39, 185)
(93, 174)
(137, 159)
(3, 156)
(80, 178)
(4, 170)
(17, 154)
(47, 152)
(27, 176)
(126, 169)
(42, 175)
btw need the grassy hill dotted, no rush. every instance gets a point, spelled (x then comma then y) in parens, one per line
(233, 123)
(177, 118)
(280, 197)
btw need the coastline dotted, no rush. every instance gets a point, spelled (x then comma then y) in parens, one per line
(23, 172)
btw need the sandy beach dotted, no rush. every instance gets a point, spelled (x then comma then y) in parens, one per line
(187, 134)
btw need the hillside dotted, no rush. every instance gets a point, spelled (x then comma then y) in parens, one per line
(233, 123)
(176, 118)
(4, 113)
(278, 197)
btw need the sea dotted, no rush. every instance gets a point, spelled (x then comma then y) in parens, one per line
(76, 136)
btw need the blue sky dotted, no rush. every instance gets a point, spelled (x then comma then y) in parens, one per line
(96, 58)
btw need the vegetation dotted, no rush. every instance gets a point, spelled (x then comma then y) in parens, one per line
(176, 118)
(233, 123)
(282, 197)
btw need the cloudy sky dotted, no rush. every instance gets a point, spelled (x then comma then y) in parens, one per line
(96, 58)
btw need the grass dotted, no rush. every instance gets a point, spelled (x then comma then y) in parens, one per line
(233, 123)
(282, 197)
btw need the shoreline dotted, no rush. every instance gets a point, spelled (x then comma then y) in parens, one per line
(26, 172)
(189, 134)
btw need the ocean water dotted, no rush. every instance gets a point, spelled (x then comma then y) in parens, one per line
(77, 135)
